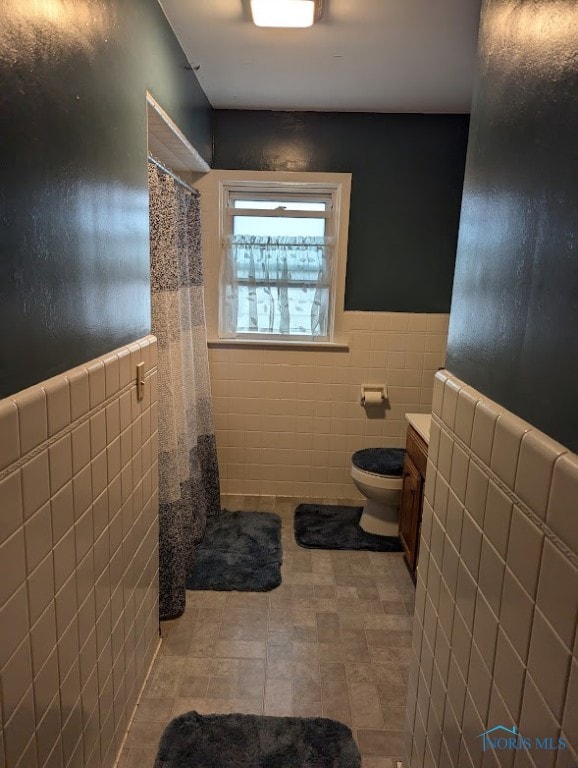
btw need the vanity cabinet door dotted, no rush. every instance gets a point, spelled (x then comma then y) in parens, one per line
(409, 513)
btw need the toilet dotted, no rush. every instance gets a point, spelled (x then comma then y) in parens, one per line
(377, 473)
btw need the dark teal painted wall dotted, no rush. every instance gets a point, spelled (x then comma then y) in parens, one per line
(514, 321)
(407, 183)
(74, 237)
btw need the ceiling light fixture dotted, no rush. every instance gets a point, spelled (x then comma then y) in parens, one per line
(285, 13)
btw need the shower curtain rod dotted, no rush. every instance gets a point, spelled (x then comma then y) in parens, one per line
(168, 171)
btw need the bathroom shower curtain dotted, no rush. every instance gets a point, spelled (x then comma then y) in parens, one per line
(188, 470)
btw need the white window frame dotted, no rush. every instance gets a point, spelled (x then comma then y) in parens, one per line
(210, 186)
(332, 194)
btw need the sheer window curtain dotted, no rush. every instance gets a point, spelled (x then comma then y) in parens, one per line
(188, 469)
(276, 285)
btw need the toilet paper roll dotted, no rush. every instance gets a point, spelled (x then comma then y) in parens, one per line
(372, 398)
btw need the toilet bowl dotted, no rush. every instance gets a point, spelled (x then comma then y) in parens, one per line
(377, 474)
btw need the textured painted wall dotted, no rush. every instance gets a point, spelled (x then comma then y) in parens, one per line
(406, 190)
(513, 332)
(74, 274)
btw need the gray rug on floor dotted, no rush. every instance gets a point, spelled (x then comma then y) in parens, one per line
(254, 741)
(328, 526)
(239, 551)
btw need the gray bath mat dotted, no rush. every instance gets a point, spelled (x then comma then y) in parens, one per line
(328, 526)
(254, 741)
(239, 551)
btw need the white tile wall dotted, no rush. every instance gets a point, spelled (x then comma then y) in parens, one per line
(287, 421)
(497, 589)
(78, 561)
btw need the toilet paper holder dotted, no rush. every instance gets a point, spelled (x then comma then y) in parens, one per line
(372, 395)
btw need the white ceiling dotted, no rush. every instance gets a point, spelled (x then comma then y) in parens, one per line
(364, 55)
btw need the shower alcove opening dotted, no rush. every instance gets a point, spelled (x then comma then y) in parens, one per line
(188, 469)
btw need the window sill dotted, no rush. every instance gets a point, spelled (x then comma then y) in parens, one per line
(335, 346)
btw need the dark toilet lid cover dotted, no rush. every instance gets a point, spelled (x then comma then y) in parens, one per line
(380, 461)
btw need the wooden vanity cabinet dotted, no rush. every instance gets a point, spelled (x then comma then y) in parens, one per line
(412, 496)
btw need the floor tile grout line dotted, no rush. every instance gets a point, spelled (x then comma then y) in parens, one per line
(394, 577)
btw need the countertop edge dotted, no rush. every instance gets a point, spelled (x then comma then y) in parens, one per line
(421, 422)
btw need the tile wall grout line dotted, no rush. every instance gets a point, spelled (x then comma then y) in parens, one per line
(69, 428)
(130, 718)
(514, 498)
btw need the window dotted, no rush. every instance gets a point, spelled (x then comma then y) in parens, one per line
(279, 253)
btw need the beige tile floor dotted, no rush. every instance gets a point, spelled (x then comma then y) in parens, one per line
(333, 640)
